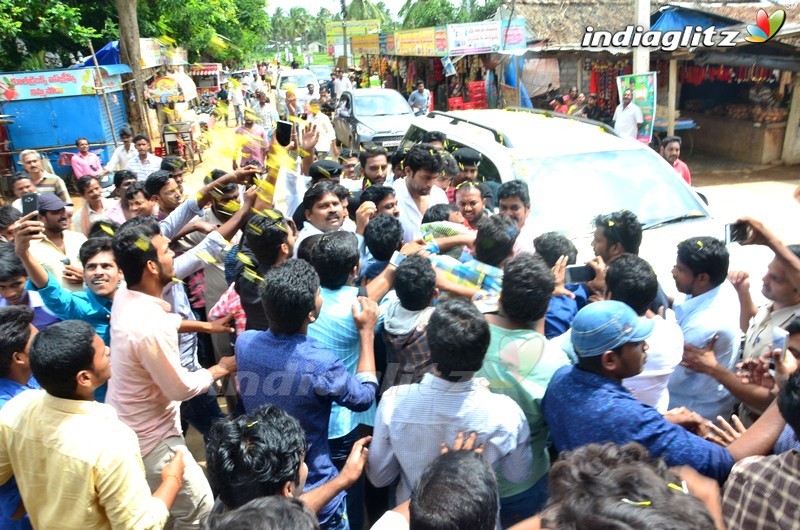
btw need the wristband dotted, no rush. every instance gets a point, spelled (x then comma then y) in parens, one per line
(396, 259)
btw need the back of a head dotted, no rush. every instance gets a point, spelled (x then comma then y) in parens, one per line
(288, 294)
(424, 156)
(11, 266)
(458, 336)
(450, 166)
(631, 280)
(705, 255)
(621, 227)
(102, 228)
(334, 257)
(383, 236)
(398, 157)
(458, 491)
(415, 283)
(439, 212)
(8, 216)
(528, 284)
(133, 247)
(264, 235)
(59, 352)
(514, 188)
(619, 487)
(434, 136)
(267, 513)
(254, 455)
(552, 245)
(15, 332)
(172, 163)
(306, 247)
(495, 239)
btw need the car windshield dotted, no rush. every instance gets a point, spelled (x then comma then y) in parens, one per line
(381, 104)
(321, 71)
(567, 192)
(292, 82)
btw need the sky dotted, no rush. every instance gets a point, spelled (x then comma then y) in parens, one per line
(313, 6)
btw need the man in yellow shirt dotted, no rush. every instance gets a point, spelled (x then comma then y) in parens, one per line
(76, 464)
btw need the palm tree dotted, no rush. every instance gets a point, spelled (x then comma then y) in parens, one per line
(365, 10)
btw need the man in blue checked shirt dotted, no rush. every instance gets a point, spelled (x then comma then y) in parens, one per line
(16, 333)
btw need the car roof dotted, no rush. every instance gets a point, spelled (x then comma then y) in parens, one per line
(529, 134)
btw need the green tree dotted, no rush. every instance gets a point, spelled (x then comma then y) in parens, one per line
(426, 13)
(365, 10)
(43, 25)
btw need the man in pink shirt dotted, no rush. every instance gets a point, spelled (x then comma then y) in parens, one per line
(86, 162)
(253, 139)
(149, 382)
(671, 150)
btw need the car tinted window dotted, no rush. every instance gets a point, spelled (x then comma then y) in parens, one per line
(568, 191)
(291, 82)
(380, 104)
(487, 171)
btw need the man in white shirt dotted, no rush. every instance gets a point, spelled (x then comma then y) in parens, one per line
(420, 99)
(418, 191)
(628, 117)
(304, 98)
(709, 318)
(324, 127)
(237, 100)
(123, 153)
(340, 84)
(145, 162)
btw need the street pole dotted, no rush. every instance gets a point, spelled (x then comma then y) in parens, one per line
(641, 54)
(344, 35)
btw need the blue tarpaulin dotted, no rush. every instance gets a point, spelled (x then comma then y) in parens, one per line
(677, 18)
(108, 54)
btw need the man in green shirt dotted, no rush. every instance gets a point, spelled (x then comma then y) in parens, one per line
(519, 366)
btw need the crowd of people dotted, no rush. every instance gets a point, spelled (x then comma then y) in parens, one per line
(401, 353)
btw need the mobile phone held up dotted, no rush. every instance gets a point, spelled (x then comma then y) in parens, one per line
(579, 274)
(283, 132)
(780, 341)
(736, 232)
(30, 203)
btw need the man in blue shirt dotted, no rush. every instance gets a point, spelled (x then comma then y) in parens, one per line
(16, 333)
(285, 367)
(587, 403)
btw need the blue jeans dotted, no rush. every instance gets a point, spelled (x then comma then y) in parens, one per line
(340, 450)
(338, 521)
(519, 507)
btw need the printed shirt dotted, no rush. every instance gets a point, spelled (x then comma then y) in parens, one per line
(413, 421)
(299, 375)
(517, 365)
(762, 493)
(581, 407)
(715, 312)
(101, 480)
(53, 184)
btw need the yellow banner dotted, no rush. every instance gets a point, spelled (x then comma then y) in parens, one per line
(354, 28)
(422, 42)
(365, 45)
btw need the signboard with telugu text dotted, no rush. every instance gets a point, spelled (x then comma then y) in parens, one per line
(485, 37)
(52, 84)
(365, 45)
(421, 42)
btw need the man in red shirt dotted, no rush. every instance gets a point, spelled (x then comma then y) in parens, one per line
(671, 150)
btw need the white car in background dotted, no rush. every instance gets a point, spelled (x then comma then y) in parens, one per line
(296, 80)
(576, 169)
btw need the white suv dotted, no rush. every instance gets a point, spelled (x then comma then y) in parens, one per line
(576, 169)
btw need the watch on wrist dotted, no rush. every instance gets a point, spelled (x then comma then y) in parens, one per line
(397, 258)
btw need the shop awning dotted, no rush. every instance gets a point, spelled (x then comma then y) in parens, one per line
(115, 69)
(204, 70)
(677, 18)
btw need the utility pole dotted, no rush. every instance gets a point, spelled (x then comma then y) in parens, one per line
(344, 34)
(131, 53)
(641, 54)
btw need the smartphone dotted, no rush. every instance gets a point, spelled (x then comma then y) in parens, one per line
(283, 132)
(579, 274)
(30, 203)
(736, 232)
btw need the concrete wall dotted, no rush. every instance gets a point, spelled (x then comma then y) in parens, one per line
(568, 74)
(756, 143)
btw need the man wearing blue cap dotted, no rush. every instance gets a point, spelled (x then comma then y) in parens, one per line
(587, 403)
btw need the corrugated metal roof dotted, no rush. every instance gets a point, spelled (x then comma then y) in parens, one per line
(115, 69)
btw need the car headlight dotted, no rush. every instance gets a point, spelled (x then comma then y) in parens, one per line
(363, 129)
